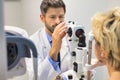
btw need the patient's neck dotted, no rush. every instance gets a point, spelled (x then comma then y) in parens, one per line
(115, 75)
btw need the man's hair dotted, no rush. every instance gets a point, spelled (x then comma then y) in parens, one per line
(46, 4)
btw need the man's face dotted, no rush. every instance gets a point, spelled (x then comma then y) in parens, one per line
(52, 18)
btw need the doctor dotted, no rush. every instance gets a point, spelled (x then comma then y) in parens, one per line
(51, 43)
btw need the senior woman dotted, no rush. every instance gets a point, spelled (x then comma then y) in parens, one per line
(106, 31)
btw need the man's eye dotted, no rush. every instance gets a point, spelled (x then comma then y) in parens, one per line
(52, 17)
(61, 17)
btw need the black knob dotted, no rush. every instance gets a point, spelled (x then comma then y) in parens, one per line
(70, 77)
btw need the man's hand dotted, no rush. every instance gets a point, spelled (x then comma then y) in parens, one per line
(58, 77)
(57, 36)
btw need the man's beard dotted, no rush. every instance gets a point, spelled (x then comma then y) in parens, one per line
(50, 28)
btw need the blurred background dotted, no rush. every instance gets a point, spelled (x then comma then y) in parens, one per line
(25, 14)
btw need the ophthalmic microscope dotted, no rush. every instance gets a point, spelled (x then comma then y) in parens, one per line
(81, 55)
(76, 37)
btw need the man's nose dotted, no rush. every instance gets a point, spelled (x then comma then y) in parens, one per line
(57, 20)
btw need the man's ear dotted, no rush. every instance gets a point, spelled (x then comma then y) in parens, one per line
(42, 18)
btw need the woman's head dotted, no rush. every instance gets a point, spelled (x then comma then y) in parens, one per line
(106, 31)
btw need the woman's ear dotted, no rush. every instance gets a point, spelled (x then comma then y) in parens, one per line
(102, 54)
(42, 18)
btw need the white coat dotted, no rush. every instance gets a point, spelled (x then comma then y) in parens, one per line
(45, 69)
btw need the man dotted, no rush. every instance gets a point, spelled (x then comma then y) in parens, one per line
(51, 43)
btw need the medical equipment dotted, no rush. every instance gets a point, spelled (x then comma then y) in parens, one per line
(18, 48)
(81, 59)
(76, 36)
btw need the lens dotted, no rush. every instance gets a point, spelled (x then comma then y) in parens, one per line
(79, 32)
(82, 41)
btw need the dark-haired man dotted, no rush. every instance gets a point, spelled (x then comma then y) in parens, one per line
(51, 43)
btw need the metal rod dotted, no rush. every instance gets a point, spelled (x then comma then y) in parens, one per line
(89, 59)
(3, 55)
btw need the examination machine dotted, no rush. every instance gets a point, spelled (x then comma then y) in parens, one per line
(81, 53)
(19, 47)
